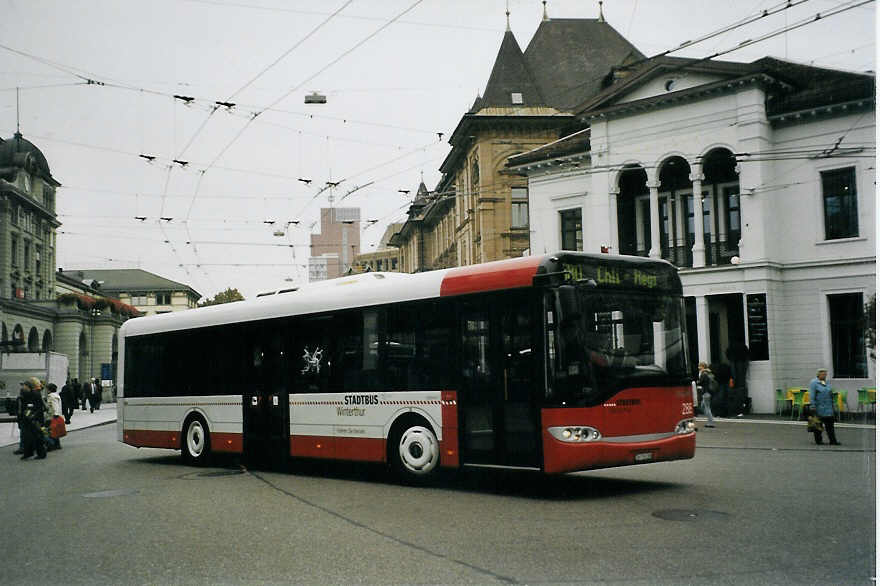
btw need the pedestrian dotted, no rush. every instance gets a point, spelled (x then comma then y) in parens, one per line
(77, 391)
(708, 387)
(68, 401)
(33, 411)
(820, 397)
(55, 409)
(86, 393)
(97, 392)
(19, 418)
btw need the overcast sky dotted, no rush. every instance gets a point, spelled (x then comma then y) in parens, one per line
(395, 73)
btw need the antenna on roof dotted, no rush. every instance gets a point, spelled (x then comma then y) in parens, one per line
(601, 16)
(17, 111)
(546, 18)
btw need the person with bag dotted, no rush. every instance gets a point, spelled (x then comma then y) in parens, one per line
(708, 387)
(822, 400)
(55, 419)
(32, 412)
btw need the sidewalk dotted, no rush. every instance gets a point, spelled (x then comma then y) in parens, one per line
(79, 420)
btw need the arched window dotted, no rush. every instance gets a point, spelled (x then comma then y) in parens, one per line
(47, 341)
(33, 340)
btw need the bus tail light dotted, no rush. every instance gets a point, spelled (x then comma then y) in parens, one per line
(575, 433)
(685, 426)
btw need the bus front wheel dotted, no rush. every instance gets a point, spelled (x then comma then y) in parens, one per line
(415, 452)
(196, 441)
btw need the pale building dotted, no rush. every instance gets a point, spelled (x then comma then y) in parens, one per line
(148, 292)
(385, 258)
(778, 253)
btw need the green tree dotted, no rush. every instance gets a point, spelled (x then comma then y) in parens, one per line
(227, 296)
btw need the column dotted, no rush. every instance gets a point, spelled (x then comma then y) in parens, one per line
(699, 248)
(702, 328)
(654, 190)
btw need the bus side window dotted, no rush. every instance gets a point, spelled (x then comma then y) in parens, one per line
(359, 334)
(316, 355)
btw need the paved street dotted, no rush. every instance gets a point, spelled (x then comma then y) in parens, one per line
(758, 505)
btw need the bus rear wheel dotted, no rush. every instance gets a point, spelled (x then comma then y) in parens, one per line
(196, 441)
(415, 453)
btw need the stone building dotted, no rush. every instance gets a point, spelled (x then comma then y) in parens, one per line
(479, 212)
(777, 254)
(40, 310)
(146, 291)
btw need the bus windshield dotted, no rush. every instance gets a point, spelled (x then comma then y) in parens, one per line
(602, 341)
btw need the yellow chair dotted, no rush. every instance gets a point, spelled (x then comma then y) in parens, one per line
(840, 404)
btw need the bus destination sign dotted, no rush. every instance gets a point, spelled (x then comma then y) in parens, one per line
(616, 276)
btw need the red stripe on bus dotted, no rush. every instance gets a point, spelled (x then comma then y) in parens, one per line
(503, 274)
(146, 438)
(363, 449)
(227, 442)
(449, 417)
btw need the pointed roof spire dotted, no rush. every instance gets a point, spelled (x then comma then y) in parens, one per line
(510, 83)
(546, 18)
(507, 12)
(601, 16)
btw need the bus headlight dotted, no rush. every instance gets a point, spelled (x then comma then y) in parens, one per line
(575, 433)
(685, 426)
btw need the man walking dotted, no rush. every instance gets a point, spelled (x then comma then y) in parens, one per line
(68, 401)
(86, 391)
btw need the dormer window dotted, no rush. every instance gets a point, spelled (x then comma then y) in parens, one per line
(516, 98)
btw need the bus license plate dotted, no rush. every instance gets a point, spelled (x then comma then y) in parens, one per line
(644, 457)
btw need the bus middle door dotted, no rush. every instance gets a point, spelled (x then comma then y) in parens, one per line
(265, 404)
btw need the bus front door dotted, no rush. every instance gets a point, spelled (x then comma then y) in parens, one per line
(499, 420)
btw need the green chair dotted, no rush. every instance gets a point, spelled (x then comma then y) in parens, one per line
(800, 401)
(781, 401)
(865, 400)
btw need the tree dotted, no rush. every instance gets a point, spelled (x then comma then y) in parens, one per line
(227, 296)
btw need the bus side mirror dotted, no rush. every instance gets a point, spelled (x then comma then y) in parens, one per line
(567, 302)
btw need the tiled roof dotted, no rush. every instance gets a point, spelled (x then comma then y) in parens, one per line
(128, 280)
(569, 58)
(509, 75)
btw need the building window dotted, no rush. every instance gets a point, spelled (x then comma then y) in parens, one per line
(138, 298)
(14, 251)
(840, 203)
(37, 260)
(519, 207)
(572, 232)
(846, 314)
(27, 256)
(163, 298)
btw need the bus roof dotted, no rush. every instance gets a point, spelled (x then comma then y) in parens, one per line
(365, 290)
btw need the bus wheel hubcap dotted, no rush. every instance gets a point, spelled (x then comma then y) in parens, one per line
(419, 450)
(195, 438)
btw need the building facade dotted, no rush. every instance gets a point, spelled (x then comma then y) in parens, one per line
(479, 212)
(385, 258)
(333, 250)
(148, 292)
(777, 255)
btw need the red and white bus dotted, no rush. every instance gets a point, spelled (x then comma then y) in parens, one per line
(557, 363)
